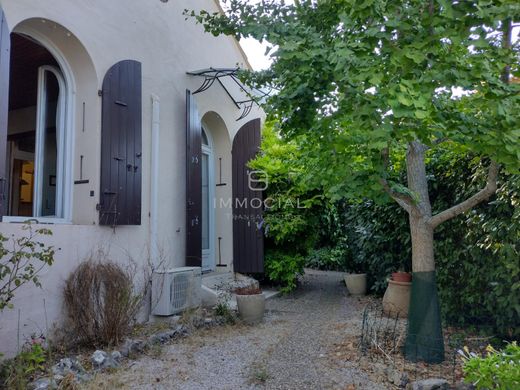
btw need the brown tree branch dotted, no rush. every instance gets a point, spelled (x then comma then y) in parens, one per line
(405, 201)
(439, 141)
(482, 195)
(385, 156)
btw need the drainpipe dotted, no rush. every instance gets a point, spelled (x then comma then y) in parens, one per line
(156, 123)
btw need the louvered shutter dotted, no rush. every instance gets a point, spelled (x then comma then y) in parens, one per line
(193, 184)
(248, 237)
(5, 47)
(121, 132)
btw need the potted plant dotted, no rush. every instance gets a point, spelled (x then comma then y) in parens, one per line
(401, 276)
(396, 300)
(251, 304)
(403, 271)
(356, 278)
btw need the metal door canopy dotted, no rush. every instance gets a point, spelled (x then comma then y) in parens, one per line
(244, 97)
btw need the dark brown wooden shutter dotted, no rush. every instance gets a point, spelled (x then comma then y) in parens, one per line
(5, 56)
(121, 160)
(248, 237)
(193, 184)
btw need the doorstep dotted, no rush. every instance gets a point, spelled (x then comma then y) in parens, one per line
(216, 283)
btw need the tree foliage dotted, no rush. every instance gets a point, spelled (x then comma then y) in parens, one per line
(358, 76)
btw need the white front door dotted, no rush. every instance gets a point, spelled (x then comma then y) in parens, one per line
(208, 211)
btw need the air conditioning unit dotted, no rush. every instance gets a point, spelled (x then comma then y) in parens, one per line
(175, 290)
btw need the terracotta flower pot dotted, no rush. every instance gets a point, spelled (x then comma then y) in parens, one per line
(402, 277)
(396, 300)
(251, 308)
(356, 283)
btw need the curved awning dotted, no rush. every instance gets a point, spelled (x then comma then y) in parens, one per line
(243, 97)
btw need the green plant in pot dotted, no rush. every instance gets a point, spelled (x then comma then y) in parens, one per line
(356, 277)
(403, 274)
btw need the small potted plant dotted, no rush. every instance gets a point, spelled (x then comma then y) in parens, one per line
(251, 304)
(403, 271)
(356, 278)
(401, 276)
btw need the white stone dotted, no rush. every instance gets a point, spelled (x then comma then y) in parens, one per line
(431, 384)
(98, 358)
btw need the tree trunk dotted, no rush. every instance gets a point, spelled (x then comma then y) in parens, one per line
(424, 340)
(420, 230)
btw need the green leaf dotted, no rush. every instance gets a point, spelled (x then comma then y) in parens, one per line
(420, 114)
(404, 100)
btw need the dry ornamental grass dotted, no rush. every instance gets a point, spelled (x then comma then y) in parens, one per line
(101, 303)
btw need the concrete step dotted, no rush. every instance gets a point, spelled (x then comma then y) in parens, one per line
(227, 280)
(215, 285)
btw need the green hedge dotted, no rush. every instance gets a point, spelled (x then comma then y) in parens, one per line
(477, 254)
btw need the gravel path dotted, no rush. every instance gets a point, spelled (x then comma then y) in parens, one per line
(293, 349)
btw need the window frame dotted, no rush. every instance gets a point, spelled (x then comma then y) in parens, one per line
(208, 150)
(68, 126)
(61, 135)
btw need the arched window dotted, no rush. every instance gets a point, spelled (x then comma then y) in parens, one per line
(205, 141)
(39, 137)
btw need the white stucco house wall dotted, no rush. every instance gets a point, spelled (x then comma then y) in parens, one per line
(101, 143)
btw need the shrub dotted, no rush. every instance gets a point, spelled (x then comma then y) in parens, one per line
(292, 218)
(222, 308)
(284, 268)
(327, 259)
(378, 238)
(16, 373)
(101, 302)
(479, 251)
(21, 261)
(497, 370)
(335, 258)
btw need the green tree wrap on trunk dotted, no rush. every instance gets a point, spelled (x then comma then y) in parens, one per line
(424, 341)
